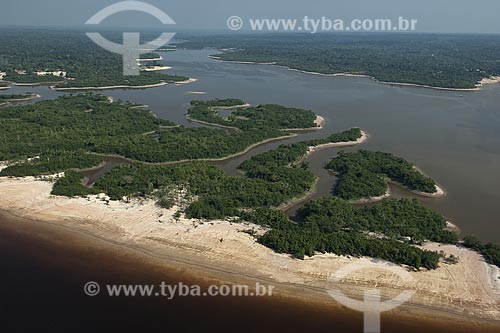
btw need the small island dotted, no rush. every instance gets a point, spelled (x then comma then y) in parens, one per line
(363, 175)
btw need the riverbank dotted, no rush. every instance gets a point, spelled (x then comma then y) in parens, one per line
(188, 81)
(364, 137)
(25, 99)
(156, 68)
(163, 83)
(464, 291)
(34, 84)
(109, 87)
(371, 200)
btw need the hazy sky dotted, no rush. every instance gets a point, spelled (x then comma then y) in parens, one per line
(470, 16)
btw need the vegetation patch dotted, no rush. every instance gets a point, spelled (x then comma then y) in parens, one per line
(362, 174)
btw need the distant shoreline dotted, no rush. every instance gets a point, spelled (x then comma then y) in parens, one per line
(484, 81)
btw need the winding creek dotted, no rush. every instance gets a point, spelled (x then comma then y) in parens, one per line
(453, 136)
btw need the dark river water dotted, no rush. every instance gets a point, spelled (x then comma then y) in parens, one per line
(453, 136)
(44, 270)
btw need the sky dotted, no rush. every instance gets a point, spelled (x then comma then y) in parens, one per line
(441, 16)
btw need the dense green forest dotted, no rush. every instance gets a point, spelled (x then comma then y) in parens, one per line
(362, 174)
(7, 98)
(449, 61)
(219, 195)
(387, 231)
(264, 185)
(31, 78)
(262, 116)
(51, 163)
(61, 135)
(283, 162)
(70, 51)
(91, 123)
(328, 225)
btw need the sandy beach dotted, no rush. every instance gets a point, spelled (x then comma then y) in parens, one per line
(150, 59)
(386, 195)
(110, 87)
(156, 68)
(15, 100)
(467, 291)
(319, 121)
(363, 138)
(191, 80)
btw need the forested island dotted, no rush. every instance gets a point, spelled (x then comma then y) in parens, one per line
(364, 174)
(68, 59)
(445, 61)
(248, 118)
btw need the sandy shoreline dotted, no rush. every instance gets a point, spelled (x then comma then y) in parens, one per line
(154, 232)
(15, 100)
(363, 138)
(163, 83)
(110, 87)
(190, 80)
(384, 196)
(156, 68)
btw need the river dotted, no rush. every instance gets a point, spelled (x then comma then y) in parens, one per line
(453, 136)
